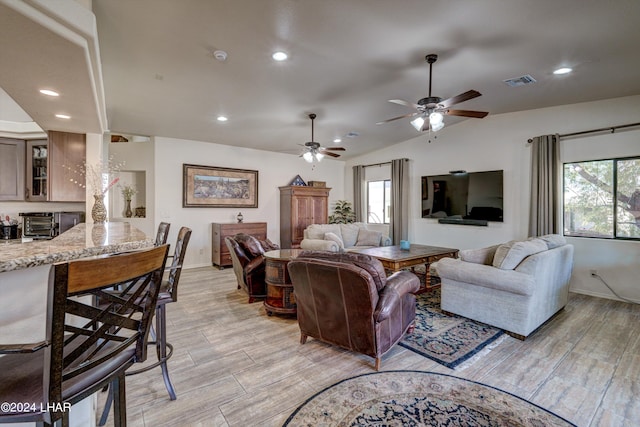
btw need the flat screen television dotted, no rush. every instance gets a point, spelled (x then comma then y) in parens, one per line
(458, 196)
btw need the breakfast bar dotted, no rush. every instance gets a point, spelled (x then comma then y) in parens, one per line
(24, 274)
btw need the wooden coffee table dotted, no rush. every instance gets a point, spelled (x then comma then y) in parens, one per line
(395, 259)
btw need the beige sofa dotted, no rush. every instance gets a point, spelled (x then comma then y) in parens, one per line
(516, 286)
(342, 237)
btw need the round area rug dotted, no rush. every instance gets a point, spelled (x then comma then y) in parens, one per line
(417, 398)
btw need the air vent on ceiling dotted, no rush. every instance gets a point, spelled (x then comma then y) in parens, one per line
(520, 81)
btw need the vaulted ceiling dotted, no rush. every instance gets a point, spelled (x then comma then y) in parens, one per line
(347, 58)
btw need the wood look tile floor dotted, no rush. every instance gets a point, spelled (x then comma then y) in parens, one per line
(235, 366)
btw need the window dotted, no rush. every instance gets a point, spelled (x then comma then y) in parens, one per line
(379, 201)
(590, 208)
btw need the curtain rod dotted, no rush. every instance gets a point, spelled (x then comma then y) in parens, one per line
(376, 164)
(610, 128)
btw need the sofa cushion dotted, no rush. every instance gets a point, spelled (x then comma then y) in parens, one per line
(349, 234)
(553, 240)
(368, 237)
(334, 238)
(366, 262)
(510, 254)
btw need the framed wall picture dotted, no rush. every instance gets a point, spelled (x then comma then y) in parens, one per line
(217, 187)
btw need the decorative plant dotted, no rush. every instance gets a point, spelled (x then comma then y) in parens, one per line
(128, 191)
(342, 213)
(99, 177)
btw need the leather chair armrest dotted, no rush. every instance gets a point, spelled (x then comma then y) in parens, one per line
(254, 264)
(398, 285)
(22, 348)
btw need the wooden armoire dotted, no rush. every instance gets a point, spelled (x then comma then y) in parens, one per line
(300, 207)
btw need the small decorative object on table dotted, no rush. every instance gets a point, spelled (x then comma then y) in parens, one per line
(239, 217)
(128, 191)
(141, 212)
(99, 211)
(405, 245)
(100, 178)
(322, 184)
(297, 181)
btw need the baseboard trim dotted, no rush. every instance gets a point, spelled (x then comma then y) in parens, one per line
(601, 295)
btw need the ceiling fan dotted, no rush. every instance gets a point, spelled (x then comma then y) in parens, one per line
(313, 149)
(432, 109)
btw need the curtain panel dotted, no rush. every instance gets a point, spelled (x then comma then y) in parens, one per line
(544, 210)
(399, 227)
(358, 193)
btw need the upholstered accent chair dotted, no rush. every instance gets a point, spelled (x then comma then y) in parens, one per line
(516, 286)
(346, 299)
(247, 257)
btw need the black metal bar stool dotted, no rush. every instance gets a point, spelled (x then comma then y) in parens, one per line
(168, 294)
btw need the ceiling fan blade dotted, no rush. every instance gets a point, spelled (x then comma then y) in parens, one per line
(405, 103)
(328, 153)
(334, 148)
(467, 113)
(470, 94)
(397, 118)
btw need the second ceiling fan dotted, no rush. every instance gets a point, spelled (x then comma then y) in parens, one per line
(313, 150)
(432, 109)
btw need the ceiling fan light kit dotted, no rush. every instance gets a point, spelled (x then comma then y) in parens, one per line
(432, 109)
(313, 149)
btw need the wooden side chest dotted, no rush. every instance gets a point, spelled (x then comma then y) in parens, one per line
(220, 256)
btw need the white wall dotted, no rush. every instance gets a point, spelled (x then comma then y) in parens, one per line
(139, 159)
(499, 142)
(274, 170)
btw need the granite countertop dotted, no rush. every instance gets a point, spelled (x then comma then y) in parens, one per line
(81, 241)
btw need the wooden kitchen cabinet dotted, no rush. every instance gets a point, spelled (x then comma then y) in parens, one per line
(12, 169)
(67, 154)
(300, 207)
(220, 256)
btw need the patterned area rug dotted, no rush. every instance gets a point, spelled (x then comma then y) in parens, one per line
(448, 340)
(416, 398)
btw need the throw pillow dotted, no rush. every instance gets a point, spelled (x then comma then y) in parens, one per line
(335, 238)
(553, 240)
(479, 256)
(268, 245)
(510, 254)
(250, 244)
(368, 237)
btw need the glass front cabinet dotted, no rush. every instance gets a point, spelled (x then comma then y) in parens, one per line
(37, 173)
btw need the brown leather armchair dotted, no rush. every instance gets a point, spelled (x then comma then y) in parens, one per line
(248, 263)
(346, 299)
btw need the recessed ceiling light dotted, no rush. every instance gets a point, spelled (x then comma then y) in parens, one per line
(49, 92)
(279, 56)
(337, 140)
(563, 70)
(63, 116)
(222, 118)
